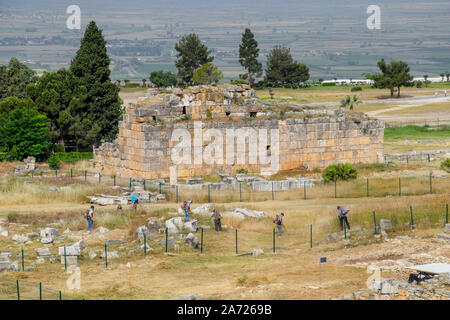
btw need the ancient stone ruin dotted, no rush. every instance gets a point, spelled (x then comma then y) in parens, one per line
(204, 130)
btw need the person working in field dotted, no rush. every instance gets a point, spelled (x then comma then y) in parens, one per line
(217, 220)
(89, 215)
(134, 201)
(186, 206)
(278, 220)
(342, 215)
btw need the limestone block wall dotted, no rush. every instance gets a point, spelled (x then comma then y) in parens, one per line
(144, 150)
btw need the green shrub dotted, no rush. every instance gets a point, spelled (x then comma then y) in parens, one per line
(69, 157)
(73, 157)
(240, 81)
(445, 165)
(242, 171)
(53, 162)
(329, 84)
(353, 89)
(339, 171)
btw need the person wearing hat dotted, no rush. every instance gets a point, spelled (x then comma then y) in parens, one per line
(342, 215)
(217, 223)
(279, 222)
(134, 201)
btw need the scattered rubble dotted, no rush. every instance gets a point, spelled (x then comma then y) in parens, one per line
(192, 241)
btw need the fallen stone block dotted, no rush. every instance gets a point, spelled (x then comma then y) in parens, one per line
(171, 227)
(242, 213)
(70, 251)
(111, 255)
(20, 239)
(191, 225)
(257, 252)
(192, 241)
(43, 252)
(48, 235)
(170, 243)
(69, 260)
(443, 236)
(447, 228)
(103, 230)
(203, 209)
(385, 224)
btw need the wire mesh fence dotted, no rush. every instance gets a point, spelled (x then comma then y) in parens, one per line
(26, 290)
(243, 192)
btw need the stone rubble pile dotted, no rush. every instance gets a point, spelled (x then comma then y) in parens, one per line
(437, 288)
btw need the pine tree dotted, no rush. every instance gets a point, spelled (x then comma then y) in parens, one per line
(192, 54)
(102, 104)
(248, 54)
(283, 71)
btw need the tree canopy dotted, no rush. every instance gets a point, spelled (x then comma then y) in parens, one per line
(14, 79)
(191, 54)
(207, 74)
(163, 79)
(393, 75)
(23, 130)
(100, 110)
(248, 56)
(283, 71)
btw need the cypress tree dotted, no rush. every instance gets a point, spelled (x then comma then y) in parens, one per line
(248, 54)
(192, 54)
(102, 105)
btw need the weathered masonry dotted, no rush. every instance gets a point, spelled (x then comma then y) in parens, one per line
(228, 128)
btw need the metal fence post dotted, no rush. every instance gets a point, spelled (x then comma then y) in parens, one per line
(56, 173)
(40, 290)
(240, 191)
(209, 193)
(446, 213)
(40, 173)
(429, 159)
(304, 190)
(367, 188)
(167, 236)
(23, 261)
(345, 230)
(99, 178)
(431, 184)
(18, 290)
(310, 236)
(71, 175)
(399, 187)
(144, 185)
(236, 241)
(412, 218)
(106, 255)
(374, 223)
(130, 182)
(272, 192)
(60, 296)
(114, 180)
(65, 259)
(176, 189)
(85, 175)
(201, 242)
(273, 241)
(160, 187)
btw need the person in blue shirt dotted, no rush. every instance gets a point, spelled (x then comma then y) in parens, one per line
(134, 201)
(342, 215)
